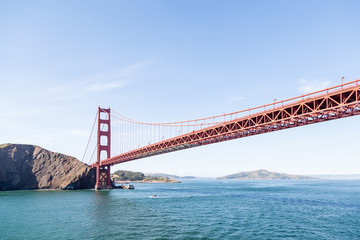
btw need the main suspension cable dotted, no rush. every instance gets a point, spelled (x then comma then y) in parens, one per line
(92, 130)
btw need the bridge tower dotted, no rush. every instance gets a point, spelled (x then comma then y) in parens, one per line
(103, 180)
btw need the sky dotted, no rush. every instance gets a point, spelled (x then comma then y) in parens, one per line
(162, 61)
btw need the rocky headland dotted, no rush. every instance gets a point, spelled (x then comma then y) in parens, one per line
(24, 167)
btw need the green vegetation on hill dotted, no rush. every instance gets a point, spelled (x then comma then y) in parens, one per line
(156, 179)
(121, 175)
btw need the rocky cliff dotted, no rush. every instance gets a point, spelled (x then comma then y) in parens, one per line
(33, 167)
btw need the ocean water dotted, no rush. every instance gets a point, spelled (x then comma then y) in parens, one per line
(193, 209)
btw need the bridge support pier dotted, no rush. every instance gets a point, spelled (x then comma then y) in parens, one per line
(103, 180)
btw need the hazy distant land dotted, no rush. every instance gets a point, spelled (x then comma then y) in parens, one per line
(32, 167)
(263, 174)
(128, 176)
(336, 176)
(168, 176)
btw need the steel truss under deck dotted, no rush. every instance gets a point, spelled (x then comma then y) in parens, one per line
(329, 104)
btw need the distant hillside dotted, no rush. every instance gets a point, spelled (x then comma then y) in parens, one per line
(168, 176)
(263, 174)
(121, 175)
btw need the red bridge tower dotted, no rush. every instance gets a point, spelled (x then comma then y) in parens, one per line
(103, 180)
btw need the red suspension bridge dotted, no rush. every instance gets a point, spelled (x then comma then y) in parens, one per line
(135, 140)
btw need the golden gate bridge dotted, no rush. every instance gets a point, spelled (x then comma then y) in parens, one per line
(130, 140)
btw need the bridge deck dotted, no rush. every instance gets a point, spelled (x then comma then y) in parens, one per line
(332, 103)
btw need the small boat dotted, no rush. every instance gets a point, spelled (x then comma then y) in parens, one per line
(153, 196)
(129, 186)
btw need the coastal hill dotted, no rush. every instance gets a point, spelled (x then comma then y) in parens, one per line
(263, 174)
(168, 176)
(32, 167)
(122, 175)
(128, 176)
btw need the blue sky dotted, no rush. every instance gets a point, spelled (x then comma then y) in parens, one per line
(160, 61)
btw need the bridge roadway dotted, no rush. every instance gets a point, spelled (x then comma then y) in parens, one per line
(328, 104)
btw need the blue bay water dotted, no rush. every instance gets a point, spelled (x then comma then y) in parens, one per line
(193, 209)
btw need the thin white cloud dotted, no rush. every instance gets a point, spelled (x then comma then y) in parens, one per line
(57, 90)
(308, 86)
(118, 74)
(99, 82)
(97, 87)
(66, 92)
(236, 98)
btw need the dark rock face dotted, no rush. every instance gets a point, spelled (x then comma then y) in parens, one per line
(32, 167)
